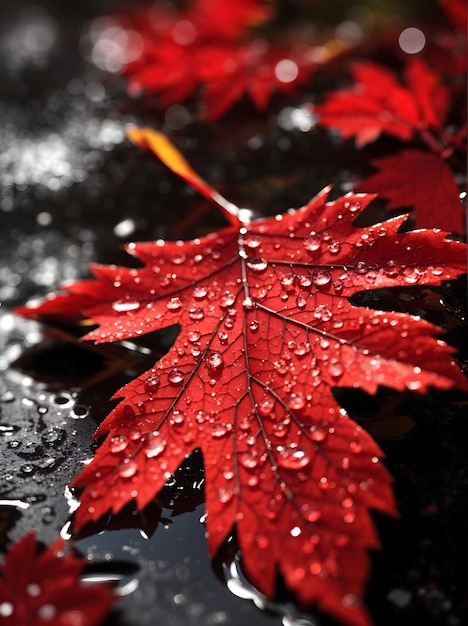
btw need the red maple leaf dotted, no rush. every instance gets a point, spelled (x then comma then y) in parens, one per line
(44, 589)
(267, 331)
(377, 103)
(422, 180)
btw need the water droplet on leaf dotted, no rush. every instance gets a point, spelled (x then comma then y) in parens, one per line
(176, 377)
(124, 306)
(154, 444)
(292, 457)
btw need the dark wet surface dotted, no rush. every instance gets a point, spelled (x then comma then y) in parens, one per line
(72, 190)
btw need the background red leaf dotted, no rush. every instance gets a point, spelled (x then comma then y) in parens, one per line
(39, 589)
(378, 103)
(414, 178)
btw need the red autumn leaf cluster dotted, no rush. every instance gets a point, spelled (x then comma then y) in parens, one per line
(39, 589)
(267, 331)
(415, 111)
(211, 46)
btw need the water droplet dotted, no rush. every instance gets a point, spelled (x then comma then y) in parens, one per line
(79, 412)
(176, 377)
(151, 382)
(297, 401)
(214, 361)
(334, 247)
(219, 430)
(301, 301)
(322, 278)
(225, 494)
(287, 280)
(199, 292)
(154, 444)
(318, 433)
(124, 306)
(254, 325)
(178, 258)
(64, 400)
(177, 418)
(118, 443)
(174, 304)
(313, 242)
(196, 314)
(410, 276)
(338, 285)
(223, 337)
(248, 303)
(128, 468)
(164, 281)
(247, 460)
(361, 268)
(135, 434)
(257, 264)
(265, 407)
(302, 349)
(322, 312)
(252, 242)
(7, 396)
(227, 300)
(335, 368)
(304, 281)
(280, 430)
(193, 336)
(292, 457)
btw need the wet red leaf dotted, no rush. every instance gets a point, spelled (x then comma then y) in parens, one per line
(378, 103)
(39, 589)
(422, 180)
(267, 331)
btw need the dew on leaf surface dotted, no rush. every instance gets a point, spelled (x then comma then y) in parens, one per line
(313, 242)
(128, 468)
(214, 361)
(292, 457)
(176, 377)
(154, 444)
(257, 264)
(125, 306)
(118, 443)
(174, 304)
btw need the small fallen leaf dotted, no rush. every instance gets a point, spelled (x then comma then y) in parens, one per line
(39, 589)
